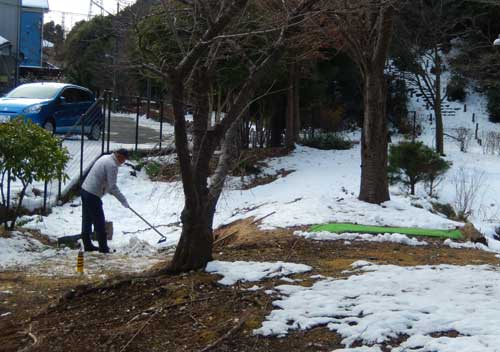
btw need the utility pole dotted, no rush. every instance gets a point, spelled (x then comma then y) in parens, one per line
(90, 10)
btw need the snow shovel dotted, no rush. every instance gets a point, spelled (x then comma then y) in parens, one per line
(162, 239)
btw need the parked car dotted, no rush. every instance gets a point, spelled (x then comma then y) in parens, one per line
(57, 107)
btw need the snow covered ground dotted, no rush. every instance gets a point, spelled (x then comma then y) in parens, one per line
(373, 306)
(384, 302)
(440, 308)
(323, 188)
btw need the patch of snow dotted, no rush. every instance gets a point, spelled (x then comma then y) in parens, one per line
(138, 248)
(469, 245)
(360, 349)
(20, 250)
(386, 237)
(47, 44)
(384, 302)
(233, 272)
(254, 288)
(3, 40)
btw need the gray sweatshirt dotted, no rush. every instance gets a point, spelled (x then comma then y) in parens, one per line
(102, 179)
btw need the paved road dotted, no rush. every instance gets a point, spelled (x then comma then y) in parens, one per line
(123, 131)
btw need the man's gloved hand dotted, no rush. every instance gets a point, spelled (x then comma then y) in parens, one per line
(125, 204)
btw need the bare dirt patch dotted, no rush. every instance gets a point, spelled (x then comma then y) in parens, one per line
(191, 312)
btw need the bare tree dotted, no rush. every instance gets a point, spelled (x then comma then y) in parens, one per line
(426, 28)
(186, 43)
(468, 185)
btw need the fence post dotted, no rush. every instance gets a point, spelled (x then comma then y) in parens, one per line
(477, 128)
(59, 183)
(148, 102)
(44, 209)
(137, 123)
(82, 120)
(473, 117)
(102, 99)
(161, 122)
(148, 107)
(109, 119)
(8, 190)
(59, 189)
(465, 107)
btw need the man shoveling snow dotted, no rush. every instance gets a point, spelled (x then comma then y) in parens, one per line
(100, 180)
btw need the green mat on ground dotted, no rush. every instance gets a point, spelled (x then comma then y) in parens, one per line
(341, 228)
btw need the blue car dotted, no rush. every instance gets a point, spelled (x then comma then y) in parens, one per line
(57, 107)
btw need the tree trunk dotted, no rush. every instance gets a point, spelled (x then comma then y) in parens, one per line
(291, 134)
(437, 105)
(296, 101)
(374, 183)
(277, 117)
(194, 249)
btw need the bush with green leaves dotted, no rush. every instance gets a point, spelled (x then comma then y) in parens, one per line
(327, 141)
(153, 169)
(29, 153)
(413, 162)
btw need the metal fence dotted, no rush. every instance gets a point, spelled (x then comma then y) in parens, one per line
(116, 117)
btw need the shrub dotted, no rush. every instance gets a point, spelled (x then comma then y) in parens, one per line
(153, 169)
(456, 88)
(327, 141)
(29, 153)
(468, 186)
(445, 209)
(413, 162)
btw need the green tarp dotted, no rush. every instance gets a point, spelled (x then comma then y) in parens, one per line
(341, 228)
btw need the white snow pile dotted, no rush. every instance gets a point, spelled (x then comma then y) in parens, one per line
(138, 248)
(21, 250)
(367, 237)
(233, 272)
(385, 302)
(467, 245)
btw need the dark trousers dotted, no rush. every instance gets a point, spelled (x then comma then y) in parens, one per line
(92, 215)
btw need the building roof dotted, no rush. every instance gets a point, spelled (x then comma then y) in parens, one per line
(39, 4)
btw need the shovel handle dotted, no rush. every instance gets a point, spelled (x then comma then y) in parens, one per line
(154, 228)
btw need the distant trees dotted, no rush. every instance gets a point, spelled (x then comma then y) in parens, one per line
(88, 53)
(54, 33)
(425, 28)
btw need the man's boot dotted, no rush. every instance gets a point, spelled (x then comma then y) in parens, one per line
(87, 243)
(102, 239)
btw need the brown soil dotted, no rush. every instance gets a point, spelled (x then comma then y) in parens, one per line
(191, 311)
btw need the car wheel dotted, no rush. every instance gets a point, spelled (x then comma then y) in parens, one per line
(95, 132)
(49, 126)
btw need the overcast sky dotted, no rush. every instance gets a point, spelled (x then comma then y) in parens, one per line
(77, 10)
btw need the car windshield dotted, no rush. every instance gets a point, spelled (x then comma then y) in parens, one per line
(34, 92)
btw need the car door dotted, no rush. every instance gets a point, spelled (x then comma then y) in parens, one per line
(85, 101)
(66, 110)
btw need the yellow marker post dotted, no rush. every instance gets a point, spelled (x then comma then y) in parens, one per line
(79, 262)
